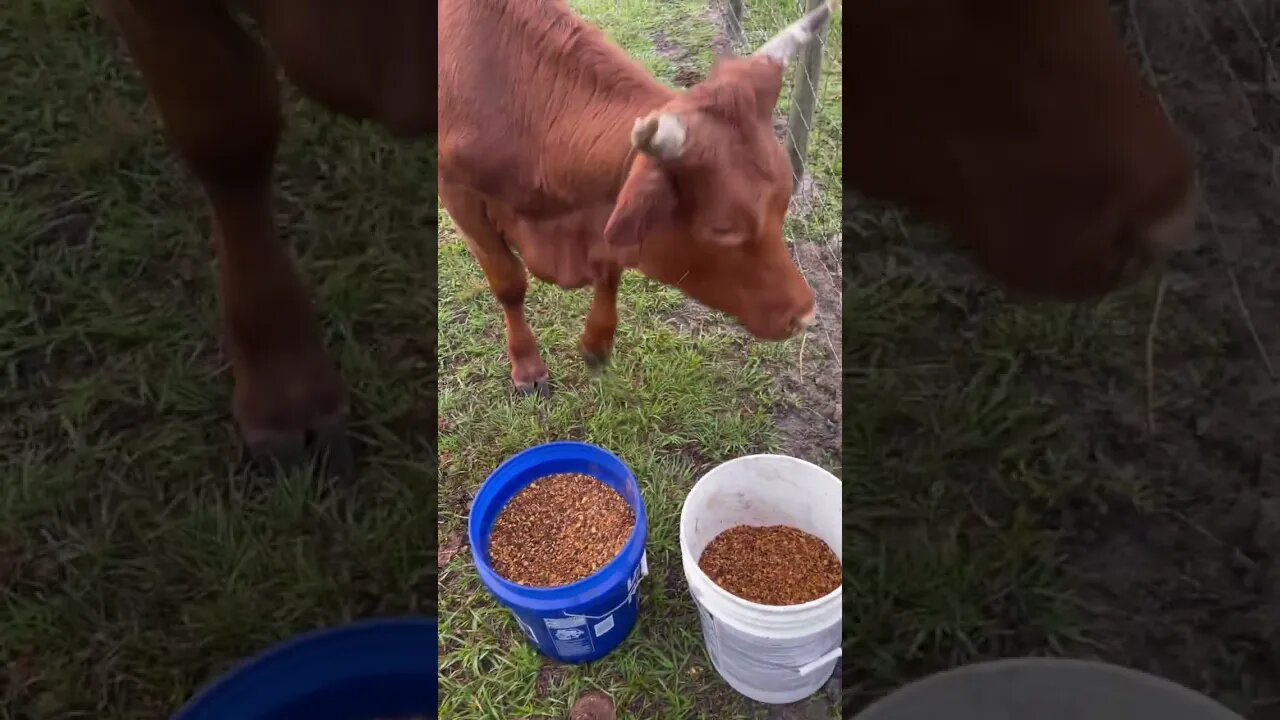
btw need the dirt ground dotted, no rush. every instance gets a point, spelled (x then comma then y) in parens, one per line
(810, 418)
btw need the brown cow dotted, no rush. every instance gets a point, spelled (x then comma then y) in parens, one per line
(556, 145)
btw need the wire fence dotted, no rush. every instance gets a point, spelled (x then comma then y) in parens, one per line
(809, 108)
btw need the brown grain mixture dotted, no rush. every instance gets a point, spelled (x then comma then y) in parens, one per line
(559, 530)
(771, 565)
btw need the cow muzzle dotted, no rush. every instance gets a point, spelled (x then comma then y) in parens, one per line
(802, 321)
(807, 320)
(1173, 232)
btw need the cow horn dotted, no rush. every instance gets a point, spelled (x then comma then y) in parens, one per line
(660, 135)
(787, 43)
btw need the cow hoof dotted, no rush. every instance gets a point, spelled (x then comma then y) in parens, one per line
(539, 388)
(286, 451)
(595, 362)
(275, 450)
(331, 444)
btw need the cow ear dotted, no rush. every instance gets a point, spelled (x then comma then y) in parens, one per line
(646, 205)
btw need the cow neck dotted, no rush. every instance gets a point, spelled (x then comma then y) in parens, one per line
(598, 86)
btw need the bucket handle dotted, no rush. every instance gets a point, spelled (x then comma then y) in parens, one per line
(810, 667)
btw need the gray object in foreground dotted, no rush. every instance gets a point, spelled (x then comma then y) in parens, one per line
(1045, 689)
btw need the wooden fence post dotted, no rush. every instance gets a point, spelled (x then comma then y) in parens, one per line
(804, 98)
(735, 22)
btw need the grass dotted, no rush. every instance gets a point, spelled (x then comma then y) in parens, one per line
(671, 405)
(139, 558)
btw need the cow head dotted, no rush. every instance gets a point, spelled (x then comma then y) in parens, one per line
(1024, 128)
(704, 200)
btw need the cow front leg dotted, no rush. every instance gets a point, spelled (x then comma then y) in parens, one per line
(219, 102)
(529, 373)
(508, 281)
(602, 321)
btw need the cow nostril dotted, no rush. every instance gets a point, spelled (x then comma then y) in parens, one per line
(1134, 266)
(1175, 230)
(808, 319)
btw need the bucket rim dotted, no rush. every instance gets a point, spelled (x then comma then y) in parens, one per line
(1187, 694)
(720, 592)
(582, 591)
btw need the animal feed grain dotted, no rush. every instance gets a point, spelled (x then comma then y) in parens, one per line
(771, 565)
(559, 530)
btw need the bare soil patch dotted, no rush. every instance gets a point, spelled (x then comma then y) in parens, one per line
(687, 74)
(809, 419)
(1193, 592)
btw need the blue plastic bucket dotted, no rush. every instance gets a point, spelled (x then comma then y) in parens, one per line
(584, 621)
(368, 670)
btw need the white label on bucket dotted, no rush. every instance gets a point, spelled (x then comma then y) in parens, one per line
(603, 626)
(709, 635)
(570, 635)
(633, 584)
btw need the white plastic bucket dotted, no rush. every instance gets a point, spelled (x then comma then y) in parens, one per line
(771, 654)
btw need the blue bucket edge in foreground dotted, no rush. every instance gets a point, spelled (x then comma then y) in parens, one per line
(612, 592)
(384, 667)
